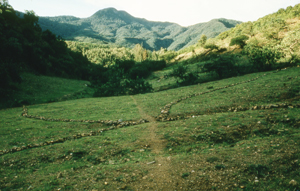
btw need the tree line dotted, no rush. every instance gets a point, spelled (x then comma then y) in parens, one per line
(25, 47)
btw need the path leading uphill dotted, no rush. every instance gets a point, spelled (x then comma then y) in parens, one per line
(160, 172)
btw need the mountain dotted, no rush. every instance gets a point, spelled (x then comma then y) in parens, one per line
(113, 26)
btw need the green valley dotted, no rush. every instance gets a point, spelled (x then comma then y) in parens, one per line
(96, 112)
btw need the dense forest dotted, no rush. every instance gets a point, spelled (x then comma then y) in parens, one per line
(26, 48)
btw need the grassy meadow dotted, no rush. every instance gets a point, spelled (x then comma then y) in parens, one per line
(208, 148)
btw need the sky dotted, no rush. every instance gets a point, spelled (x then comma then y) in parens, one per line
(183, 12)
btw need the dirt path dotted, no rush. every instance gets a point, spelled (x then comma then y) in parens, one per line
(159, 175)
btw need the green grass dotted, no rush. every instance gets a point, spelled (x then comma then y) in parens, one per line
(43, 89)
(111, 108)
(214, 150)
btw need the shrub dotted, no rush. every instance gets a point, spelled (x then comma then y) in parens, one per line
(179, 72)
(211, 46)
(240, 41)
(262, 58)
(144, 69)
(136, 86)
(186, 78)
(223, 65)
(139, 71)
(114, 81)
(126, 65)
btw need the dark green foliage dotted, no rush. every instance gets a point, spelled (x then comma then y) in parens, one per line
(262, 58)
(184, 77)
(202, 40)
(240, 41)
(223, 65)
(27, 48)
(126, 65)
(185, 175)
(294, 60)
(219, 166)
(125, 77)
(136, 86)
(211, 46)
(144, 69)
(179, 71)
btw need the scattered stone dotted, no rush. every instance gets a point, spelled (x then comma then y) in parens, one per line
(151, 162)
(59, 175)
(293, 183)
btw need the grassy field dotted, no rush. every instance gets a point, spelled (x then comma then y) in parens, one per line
(223, 139)
(37, 89)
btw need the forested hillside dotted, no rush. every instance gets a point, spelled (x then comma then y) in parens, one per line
(26, 48)
(113, 26)
(270, 43)
(280, 30)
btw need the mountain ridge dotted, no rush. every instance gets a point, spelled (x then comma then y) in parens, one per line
(119, 27)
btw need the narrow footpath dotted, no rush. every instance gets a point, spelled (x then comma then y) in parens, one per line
(160, 171)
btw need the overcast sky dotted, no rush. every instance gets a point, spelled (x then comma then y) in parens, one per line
(183, 12)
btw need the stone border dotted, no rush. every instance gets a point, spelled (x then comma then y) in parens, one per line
(118, 123)
(165, 112)
(164, 116)
(114, 125)
(237, 109)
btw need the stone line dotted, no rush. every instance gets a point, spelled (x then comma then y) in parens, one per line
(237, 109)
(118, 123)
(59, 140)
(113, 124)
(166, 110)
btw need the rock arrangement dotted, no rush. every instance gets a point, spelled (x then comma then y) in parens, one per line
(59, 140)
(234, 109)
(164, 116)
(118, 123)
(113, 125)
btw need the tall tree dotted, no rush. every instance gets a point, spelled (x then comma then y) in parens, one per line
(202, 40)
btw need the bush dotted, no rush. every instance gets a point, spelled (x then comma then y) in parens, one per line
(126, 65)
(186, 78)
(211, 46)
(240, 41)
(223, 65)
(136, 86)
(139, 71)
(125, 77)
(262, 58)
(179, 72)
(144, 69)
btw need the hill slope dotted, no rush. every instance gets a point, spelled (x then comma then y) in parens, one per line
(279, 30)
(237, 136)
(111, 25)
